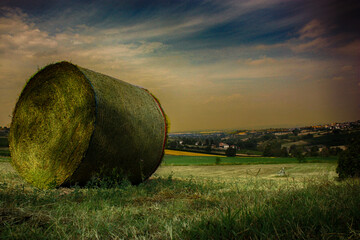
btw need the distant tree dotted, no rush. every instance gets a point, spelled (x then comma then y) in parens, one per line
(336, 131)
(267, 151)
(308, 136)
(272, 149)
(189, 141)
(349, 160)
(208, 149)
(325, 152)
(172, 144)
(230, 152)
(296, 131)
(4, 142)
(300, 157)
(297, 152)
(284, 152)
(286, 136)
(250, 144)
(293, 150)
(335, 151)
(185, 141)
(314, 151)
(268, 136)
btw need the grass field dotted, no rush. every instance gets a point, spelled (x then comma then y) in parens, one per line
(211, 160)
(192, 154)
(233, 173)
(188, 202)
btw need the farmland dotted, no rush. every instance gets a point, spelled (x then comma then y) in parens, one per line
(234, 173)
(202, 160)
(311, 141)
(192, 201)
(170, 152)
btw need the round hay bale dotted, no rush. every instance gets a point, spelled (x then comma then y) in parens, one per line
(71, 124)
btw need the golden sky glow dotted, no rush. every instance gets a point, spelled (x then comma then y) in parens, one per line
(229, 65)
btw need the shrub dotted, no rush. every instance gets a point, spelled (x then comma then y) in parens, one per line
(300, 157)
(272, 149)
(4, 142)
(314, 151)
(230, 152)
(349, 160)
(284, 152)
(325, 152)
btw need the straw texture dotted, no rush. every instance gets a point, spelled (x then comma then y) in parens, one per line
(71, 124)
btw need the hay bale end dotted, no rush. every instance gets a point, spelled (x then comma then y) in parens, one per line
(70, 124)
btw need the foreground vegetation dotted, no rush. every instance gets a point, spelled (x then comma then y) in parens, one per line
(221, 202)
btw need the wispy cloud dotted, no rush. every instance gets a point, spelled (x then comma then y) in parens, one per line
(313, 29)
(231, 61)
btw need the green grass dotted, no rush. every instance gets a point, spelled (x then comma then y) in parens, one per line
(4, 159)
(234, 173)
(199, 160)
(248, 151)
(188, 202)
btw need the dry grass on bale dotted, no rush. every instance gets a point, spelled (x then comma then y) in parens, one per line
(71, 124)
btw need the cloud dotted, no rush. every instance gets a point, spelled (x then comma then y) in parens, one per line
(261, 61)
(313, 29)
(338, 78)
(347, 68)
(24, 39)
(11, 19)
(24, 48)
(309, 46)
(184, 63)
(349, 49)
(315, 40)
(312, 38)
(16, 36)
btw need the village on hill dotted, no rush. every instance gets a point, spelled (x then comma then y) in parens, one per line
(318, 140)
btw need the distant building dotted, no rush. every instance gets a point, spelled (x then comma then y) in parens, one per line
(223, 145)
(281, 133)
(342, 147)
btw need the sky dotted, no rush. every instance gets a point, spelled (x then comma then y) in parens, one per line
(221, 64)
